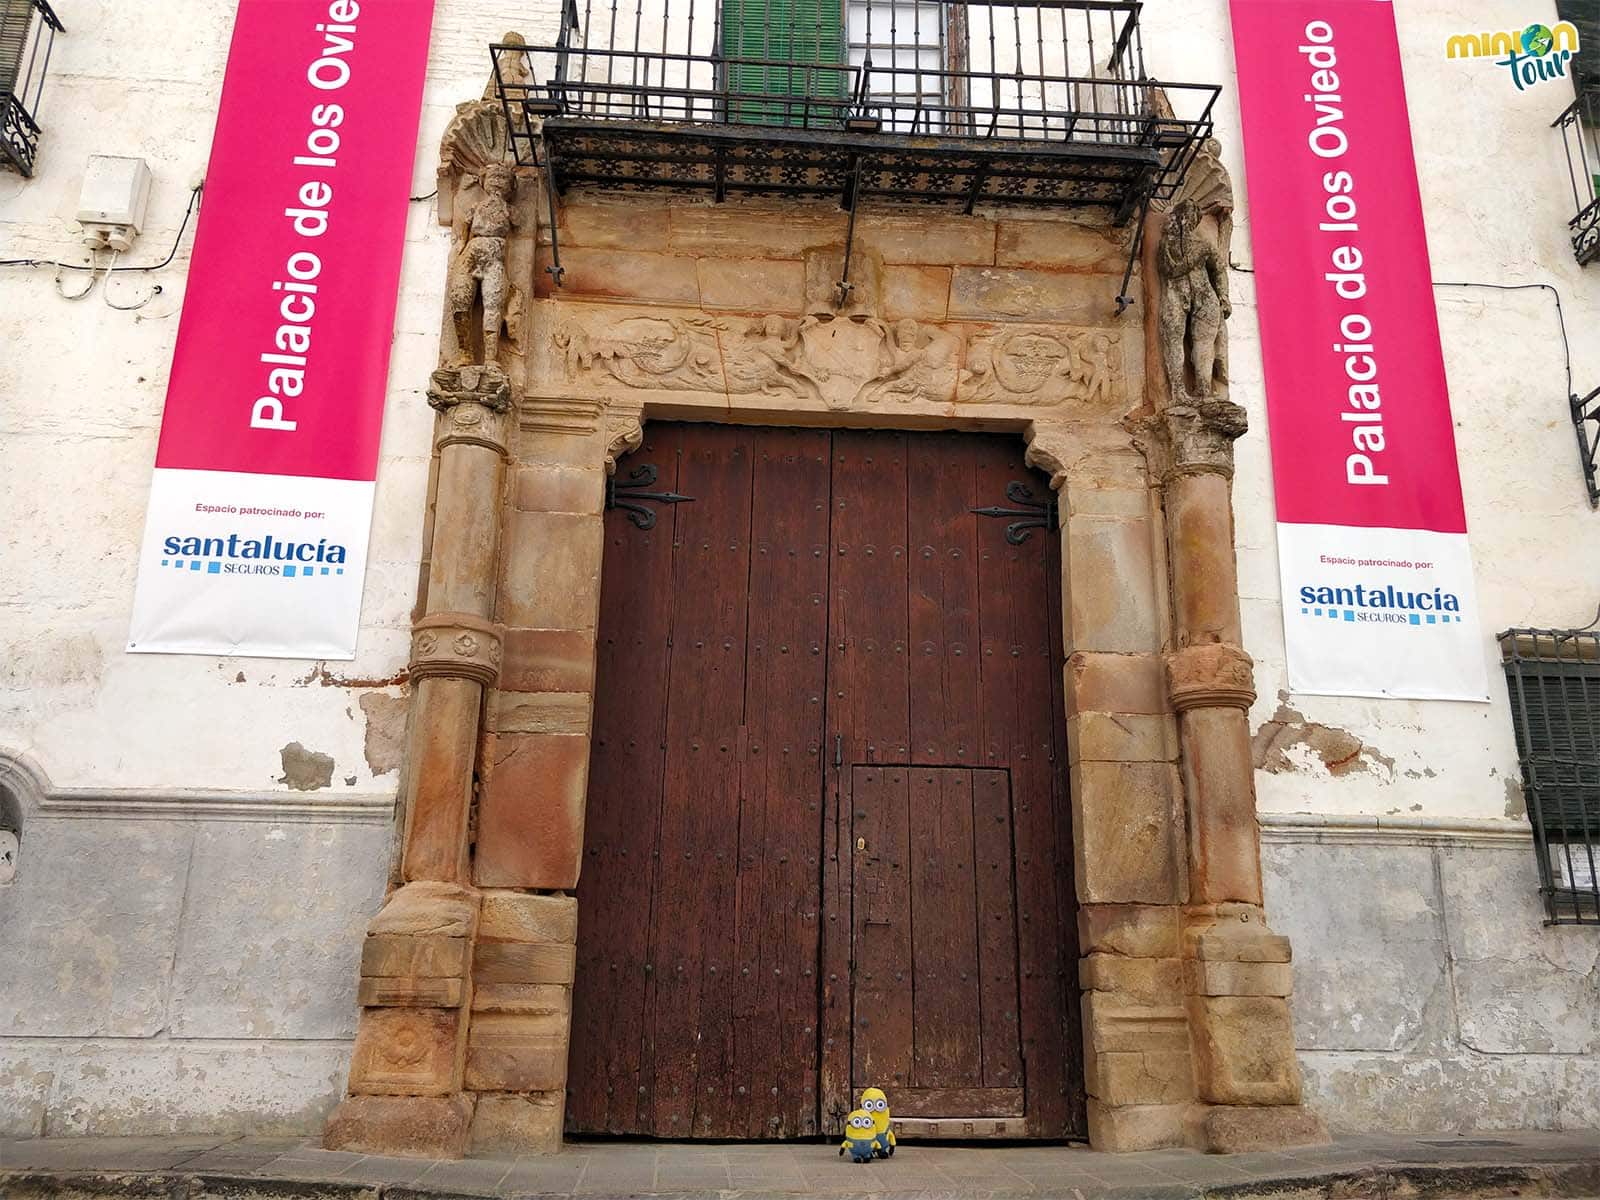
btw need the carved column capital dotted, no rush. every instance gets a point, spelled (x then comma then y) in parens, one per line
(476, 404)
(456, 645)
(1201, 436)
(1050, 449)
(1213, 675)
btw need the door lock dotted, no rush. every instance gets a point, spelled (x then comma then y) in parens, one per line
(861, 843)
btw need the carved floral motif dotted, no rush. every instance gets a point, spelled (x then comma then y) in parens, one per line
(455, 645)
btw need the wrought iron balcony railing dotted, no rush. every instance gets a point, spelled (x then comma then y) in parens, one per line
(953, 104)
(1580, 134)
(27, 34)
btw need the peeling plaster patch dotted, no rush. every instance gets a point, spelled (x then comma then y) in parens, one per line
(1341, 751)
(1516, 802)
(305, 770)
(386, 730)
(321, 675)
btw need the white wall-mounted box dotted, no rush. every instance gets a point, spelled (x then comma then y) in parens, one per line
(111, 206)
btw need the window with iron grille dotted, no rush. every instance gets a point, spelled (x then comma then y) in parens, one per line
(27, 34)
(1553, 677)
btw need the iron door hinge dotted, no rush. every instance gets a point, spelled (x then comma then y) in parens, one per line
(1034, 514)
(631, 493)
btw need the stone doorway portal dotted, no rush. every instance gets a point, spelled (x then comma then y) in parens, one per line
(828, 841)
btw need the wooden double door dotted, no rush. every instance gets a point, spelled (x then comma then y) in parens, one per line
(828, 841)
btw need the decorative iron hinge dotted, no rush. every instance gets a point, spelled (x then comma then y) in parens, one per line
(1034, 514)
(631, 492)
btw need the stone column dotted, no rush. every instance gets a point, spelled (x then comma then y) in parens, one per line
(1127, 805)
(406, 1079)
(1236, 970)
(533, 774)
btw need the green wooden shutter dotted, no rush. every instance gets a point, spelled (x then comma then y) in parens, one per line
(793, 35)
(1555, 713)
(16, 19)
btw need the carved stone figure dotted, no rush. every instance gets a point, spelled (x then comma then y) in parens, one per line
(478, 263)
(769, 359)
(915, 364)
(1094, 371)
(1194, 305)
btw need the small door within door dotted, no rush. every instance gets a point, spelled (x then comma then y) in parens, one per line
(934, 1003)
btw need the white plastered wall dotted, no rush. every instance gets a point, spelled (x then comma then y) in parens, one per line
(1496, 200)
(83, 387)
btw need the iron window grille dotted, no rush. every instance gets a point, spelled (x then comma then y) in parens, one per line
(1553, 677)
(28, 30)
(1580, 136)
(916, 101)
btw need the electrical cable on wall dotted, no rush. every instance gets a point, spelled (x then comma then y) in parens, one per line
(97, 276)
(93, 265)
(1561, 317)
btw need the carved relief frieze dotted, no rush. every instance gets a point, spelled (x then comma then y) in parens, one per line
(646, 353)
(818, 362)
(1044, 365)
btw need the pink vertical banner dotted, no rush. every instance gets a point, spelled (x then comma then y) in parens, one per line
(256, 534)
(1378, 596)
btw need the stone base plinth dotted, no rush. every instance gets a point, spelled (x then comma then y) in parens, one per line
(408, 1126)
(1118, 1128)
(517, 1123)
(1240, 1129)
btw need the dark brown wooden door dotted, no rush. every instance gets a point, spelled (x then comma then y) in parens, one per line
(827, 841)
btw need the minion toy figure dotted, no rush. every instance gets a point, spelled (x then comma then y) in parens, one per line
(859, 1137)
(873, 1101)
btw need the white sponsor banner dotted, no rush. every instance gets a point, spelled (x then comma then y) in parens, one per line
(256, 537)
(1365, 608)
(264, 565)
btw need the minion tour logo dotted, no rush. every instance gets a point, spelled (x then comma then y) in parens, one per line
(1537, 53)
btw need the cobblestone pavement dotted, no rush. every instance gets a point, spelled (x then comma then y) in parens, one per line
(1442, 1165)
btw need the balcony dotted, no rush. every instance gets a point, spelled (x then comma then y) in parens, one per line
(911, 101)
(27, 34)
(1580, 134)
